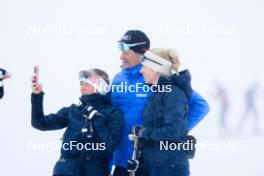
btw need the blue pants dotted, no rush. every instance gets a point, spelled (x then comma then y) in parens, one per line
(79, 167)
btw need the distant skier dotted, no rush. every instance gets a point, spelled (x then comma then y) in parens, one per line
(3, 75)
(250, 108)
(222, 97)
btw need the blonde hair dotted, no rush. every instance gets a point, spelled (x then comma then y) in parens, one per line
(169, 54)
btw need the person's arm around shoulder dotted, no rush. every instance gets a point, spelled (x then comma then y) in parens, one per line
(198, 109)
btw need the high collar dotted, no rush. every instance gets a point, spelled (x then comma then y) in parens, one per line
(94, 100)
(163, 80)
(160, 82)
(183, 81)
(133, 72)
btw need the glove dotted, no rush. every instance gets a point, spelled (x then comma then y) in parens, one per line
(132, 165)
(137, 130)
(192, 141)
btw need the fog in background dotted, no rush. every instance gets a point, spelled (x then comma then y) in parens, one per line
(220, 42)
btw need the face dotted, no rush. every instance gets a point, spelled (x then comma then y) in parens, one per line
(130, 59)
(149, 75)
(86, 89)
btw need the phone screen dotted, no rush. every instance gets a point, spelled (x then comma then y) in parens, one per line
(36, 73)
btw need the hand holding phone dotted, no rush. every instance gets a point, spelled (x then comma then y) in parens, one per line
(36, 86)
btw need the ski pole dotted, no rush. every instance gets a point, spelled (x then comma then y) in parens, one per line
(134, 156)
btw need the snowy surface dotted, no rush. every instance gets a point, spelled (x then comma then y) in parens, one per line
(233, 58)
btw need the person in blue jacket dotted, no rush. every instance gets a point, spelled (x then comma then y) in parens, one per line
(133, 45)
(93, 128)
(164, 116)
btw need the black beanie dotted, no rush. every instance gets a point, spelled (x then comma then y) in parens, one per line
(136, 36)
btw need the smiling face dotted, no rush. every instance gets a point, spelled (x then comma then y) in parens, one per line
(130, 58)
(150, 76)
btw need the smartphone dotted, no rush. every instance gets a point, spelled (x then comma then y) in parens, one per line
(36, 74)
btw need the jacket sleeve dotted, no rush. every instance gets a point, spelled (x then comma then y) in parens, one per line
(198, 108)
(1, 89)
(175, 120)
(46, 122)
(110, 132)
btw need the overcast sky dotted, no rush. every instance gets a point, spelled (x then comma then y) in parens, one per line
(219, 41)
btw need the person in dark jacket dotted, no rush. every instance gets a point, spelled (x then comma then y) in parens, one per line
(93, 128)
(3, 75)
(164, 117)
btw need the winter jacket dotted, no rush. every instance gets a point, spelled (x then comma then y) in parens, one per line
(165, 119)
(107, 124)
(1, 89)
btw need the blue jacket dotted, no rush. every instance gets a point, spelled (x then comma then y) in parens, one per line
(132, 104)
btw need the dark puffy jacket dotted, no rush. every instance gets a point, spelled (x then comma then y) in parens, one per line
(1, 90)
(108, 126)
(165, 119)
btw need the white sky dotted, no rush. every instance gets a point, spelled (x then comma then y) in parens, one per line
(234, 58)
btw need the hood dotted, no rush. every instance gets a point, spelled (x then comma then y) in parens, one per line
(183, 81)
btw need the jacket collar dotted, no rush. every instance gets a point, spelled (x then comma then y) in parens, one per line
(132, 72)
(95, 100)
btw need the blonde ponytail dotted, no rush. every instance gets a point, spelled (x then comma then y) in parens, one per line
(174, 59)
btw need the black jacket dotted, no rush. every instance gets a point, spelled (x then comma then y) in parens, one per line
(108, 124)
(1, 89)
(1, 92)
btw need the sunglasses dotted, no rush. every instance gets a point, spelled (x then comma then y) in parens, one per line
(85, 74)
(125, 47)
